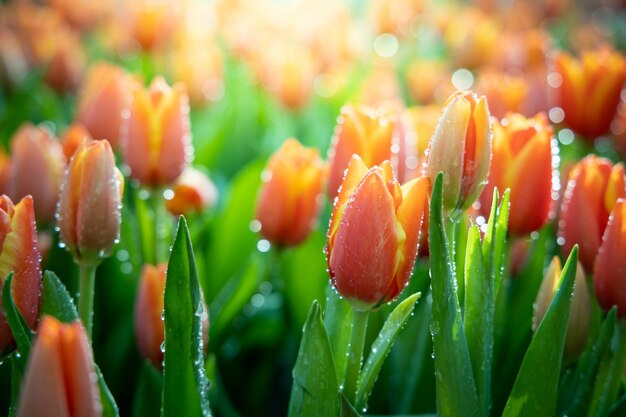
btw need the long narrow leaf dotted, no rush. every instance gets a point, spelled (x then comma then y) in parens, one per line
(17, 323)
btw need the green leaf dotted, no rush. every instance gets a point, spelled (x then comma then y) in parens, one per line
(381, 347)
(17, 323)
(55, 300)
(479, 312)
(338, 323)
(494, 244)
(347, 410)
(456, 388)
(535, 390)
(109, 407)
(185, 384)
(149, 388)
(315, 391)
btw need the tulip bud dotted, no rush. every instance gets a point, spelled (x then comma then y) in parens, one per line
(580, 310)
(60, 378)
(193, 191)
(590, 88)
(374, 233)
(89, 212)
(610, 270)
(19, 253)
(74, 136)
(102, 99)
(505, 93)
(149, 325)
(461, 149)
(593, 188)
(37, 165)
(522, 162)
(67, 63)
(288, 202)
(151, 23)
(362, 131)
(157, 137)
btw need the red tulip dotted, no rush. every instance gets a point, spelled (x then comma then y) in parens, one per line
(374, 232)
(19, 253)
(60, 379)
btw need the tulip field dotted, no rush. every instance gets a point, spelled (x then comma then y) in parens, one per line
(304, 208)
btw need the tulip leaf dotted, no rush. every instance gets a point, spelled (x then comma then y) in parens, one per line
(381, 347)
(536, 386)
(456, 388)
(494, 243)
(315, 391)
(21, 332)
(149, 387)
(185, 386)
(109, 407)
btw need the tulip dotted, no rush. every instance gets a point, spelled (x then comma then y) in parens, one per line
(149, 325)
(60, 378)
(461, 149)
(362, 131)
(37, 165)
(157, 137)
(373, 234)
(505, 93)
(593, 188)
(19, 253)
(151, 23)
(580, 310)
(288, 202)
(609, 277)
(102, 99)
(74, 136)
(66, 65)
(470, 38)
(522, 162)
(590, 89)
(192, 192)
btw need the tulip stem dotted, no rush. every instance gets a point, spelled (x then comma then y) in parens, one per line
(158, 206)
(355, 353)
(85, 298)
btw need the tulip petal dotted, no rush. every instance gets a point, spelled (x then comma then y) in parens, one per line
(175, 148)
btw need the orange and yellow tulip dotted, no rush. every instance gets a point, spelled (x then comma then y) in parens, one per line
(74, 136)
(363, 131)
(37, 165)
(593, 187)
(19, 253)
(522, 162)
(461, 149)
(288, 202)
(505, 93)
(590, 90)
(609, 276)
(89, 213)
(374, 233)
(60, 378)
(157, 136)
(193, 191)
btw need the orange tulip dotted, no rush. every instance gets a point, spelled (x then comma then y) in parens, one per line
(67, 63)
(461, 149)
(149, 325)
(470, 38)
(37, 165)
(609, 277)
(522, 162)
(151, 23)
(192, 192)
(102, 99)
(157, 137)
(505, 93)
(89, 211)
(593, 188)
(60, 379)
(19, 253)
(74, 136)
(288, 202)
(590, 90)
(362, 131)
(374, 233)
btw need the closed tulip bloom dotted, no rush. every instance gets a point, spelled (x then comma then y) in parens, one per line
(522, 162)
(589, 92)
(580, 310)
(60, 379)
(74, 136)
(37, 165)
(288, 202)
(19, 253)
(362, 131)
(103, 97)
(374, 233)
(157, 137)
(461, 149)
(193, 192)
(609, 277)
(149, 325)
(89, 208)
(593, 187)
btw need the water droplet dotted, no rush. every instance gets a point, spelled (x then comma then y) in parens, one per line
(163, 347)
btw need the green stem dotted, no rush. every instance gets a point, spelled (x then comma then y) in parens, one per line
(85, 299)
(615, 374)
(158, 207)
(355, 353)
(451, 235)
